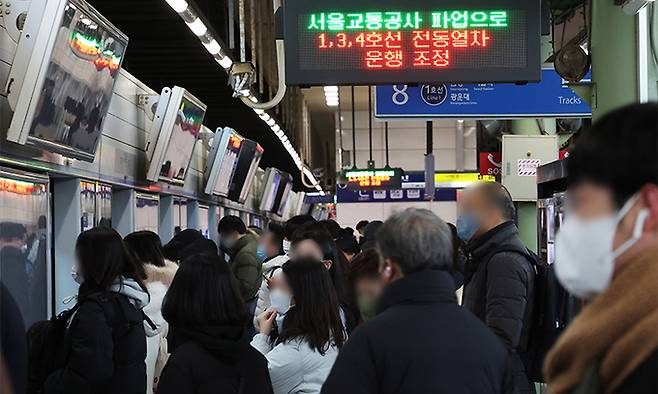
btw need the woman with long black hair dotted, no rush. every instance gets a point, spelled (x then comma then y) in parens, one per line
(314, 241)
(105, 339)
(207, 333)
(308, 333)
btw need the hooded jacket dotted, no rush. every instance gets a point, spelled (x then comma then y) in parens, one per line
(105, 343)
(269, 267)
(158, 280)
(215, 359)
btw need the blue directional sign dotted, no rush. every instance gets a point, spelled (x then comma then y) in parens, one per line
(393, 195)
(550, 98)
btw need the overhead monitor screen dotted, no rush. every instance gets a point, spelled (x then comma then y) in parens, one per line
(187, 124)
(75, 96)
(251, 174)
(271, 190)
(227, 167)
(347, 42)
(245, 168)
(282, 194)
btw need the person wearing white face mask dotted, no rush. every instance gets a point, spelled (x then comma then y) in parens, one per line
(607, 253)
(270, 252)
(304, 308)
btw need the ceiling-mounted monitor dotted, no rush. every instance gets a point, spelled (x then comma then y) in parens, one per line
(63, 76)
(278, 186)
(299, 204)
(272, 180)
(222, 160)
(176, 126)
(245, 170)
(371, 42)
(282, 194)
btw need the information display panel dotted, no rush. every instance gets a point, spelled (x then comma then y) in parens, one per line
(176, 135)
(245, 169)
(346, 42)
(69, 80)
(228, 161)
(385, 178)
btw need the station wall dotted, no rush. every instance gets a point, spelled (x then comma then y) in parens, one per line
(349, 214)
(407, 143)
(407, 147)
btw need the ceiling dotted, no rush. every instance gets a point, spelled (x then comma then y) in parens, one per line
(316, 102)
(162, 52)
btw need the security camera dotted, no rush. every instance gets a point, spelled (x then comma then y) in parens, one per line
(241, 77)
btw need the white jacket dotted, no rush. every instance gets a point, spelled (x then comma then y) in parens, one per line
(264, 293)
(294, 366)
(158, 280)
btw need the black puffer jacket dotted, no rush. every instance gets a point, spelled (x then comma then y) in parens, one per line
(106, 346)
(499, 290)
(421, 342)
(208, 360)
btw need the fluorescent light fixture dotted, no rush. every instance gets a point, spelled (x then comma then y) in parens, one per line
(331, 89)
(331, 95)
(332, 103)
(197, 27)
(225, 62)
(178, 5)
(213, 47)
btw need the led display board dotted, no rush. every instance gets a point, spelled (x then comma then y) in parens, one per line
(385, 178)
(363, 42)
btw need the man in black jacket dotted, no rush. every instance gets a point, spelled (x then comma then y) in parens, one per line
(499, 279)
(421, 341)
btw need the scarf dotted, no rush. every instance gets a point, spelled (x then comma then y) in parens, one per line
(619, 328)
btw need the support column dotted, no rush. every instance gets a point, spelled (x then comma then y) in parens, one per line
(66, 228)
(614, 58)
(212, 223)
(193, 214)
(166, 223)
(123, 211)
(526, 212)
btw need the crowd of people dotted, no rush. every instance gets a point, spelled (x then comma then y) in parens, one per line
(409, 305)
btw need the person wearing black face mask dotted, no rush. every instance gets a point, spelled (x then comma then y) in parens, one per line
(500, 275)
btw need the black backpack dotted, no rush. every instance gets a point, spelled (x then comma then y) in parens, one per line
(553, 308)
(48, 341)
(46, 344)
